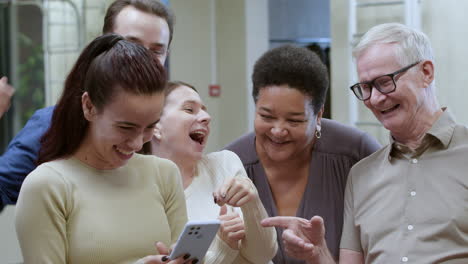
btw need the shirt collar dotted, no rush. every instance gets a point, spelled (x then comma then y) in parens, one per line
(444, 127)
(442, 130)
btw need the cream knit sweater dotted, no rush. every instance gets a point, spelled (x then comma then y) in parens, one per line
(68, 212)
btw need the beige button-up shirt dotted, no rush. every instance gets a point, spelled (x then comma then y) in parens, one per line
(403, 207)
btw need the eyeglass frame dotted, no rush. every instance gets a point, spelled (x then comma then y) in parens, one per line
(372, 84)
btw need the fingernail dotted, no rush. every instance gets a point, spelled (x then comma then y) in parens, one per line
(223, 195)
(187, 256)
(165, 258)
(195, 261)
(215, 200)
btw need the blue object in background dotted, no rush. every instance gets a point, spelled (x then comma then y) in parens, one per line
(20, 157)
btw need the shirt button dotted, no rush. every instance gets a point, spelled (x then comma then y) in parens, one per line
(410, 227)
(413, 193)
(404, 259)
(414, 161)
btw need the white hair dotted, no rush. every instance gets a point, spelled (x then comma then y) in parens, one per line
(412, 45)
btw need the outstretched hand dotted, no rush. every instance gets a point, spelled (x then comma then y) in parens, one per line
(6, 92)
(303, 239)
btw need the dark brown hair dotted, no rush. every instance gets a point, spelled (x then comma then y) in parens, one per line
(109, 64)
(297, 67)
(148, 6)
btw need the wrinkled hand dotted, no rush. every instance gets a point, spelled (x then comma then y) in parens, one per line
(6, 92)
(235, 192)
(163, 257)
(232, 229)
(303, 239)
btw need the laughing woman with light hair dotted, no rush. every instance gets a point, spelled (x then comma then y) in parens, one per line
(216, 185)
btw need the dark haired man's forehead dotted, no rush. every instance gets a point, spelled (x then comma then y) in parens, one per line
(133, 39)
(138, 40)
(141, 27)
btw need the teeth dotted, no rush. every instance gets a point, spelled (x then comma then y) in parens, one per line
(199, 133)
(124, 152)
(277, 142)
(389, 109)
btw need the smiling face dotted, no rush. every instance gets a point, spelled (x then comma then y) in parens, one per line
(143, 28)
(120, 129)
(404, 109)
(183, 130)
(284, 124)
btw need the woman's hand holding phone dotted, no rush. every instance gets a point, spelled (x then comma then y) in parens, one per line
(163, 257)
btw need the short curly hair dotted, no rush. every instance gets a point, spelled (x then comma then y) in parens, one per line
(297, 67)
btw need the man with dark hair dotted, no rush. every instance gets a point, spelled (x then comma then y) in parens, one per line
(147, 22)
(147, 6)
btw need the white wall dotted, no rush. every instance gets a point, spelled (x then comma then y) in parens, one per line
(190, 52)
(445, 24)
(257, 38)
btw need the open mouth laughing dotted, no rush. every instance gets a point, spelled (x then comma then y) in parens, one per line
(198, 136)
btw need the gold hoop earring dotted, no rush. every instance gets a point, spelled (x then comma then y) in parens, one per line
(318, 134)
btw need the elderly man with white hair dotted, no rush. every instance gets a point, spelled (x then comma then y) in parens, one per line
(407, 202)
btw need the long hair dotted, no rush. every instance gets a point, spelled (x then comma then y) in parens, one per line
(107, 65)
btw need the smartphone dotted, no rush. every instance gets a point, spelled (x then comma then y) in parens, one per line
(195, 239)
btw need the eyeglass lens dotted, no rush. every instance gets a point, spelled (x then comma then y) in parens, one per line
(384, 84)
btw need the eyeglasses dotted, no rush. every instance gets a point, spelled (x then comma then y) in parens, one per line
(385, 84)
